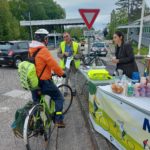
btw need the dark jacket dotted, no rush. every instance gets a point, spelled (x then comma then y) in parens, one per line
(126, 58)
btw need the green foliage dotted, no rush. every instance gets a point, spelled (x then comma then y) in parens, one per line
(127, 11)
(117, 18)
(75, 32)
(9, 26)
(132, 8)
(143, 51)
(12, 11)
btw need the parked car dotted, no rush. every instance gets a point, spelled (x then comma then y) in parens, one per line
(13, 52)
(101, 47)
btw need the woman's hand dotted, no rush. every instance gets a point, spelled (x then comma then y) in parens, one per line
(115, 61)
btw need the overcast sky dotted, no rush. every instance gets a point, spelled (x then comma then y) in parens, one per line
(106, 6)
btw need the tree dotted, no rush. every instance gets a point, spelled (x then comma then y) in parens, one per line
(126, 12)
(75, 32)
(113, 24)
(132, 8)
(9, 27)
(117, 18)
(39, 10)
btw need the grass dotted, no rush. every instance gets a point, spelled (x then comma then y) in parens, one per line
(143, 51)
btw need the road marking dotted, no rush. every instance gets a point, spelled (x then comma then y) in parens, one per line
(18, 94)
(4, 109)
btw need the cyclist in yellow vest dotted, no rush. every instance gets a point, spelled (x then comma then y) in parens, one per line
(69, 50)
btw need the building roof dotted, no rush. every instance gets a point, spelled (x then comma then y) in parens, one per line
(75, 21)
(135, 24)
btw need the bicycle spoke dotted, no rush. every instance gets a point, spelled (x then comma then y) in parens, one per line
(39, 137)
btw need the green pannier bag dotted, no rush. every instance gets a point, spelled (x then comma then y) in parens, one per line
(20, 116)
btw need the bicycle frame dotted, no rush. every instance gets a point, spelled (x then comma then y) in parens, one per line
(49, 109)
(93, 57)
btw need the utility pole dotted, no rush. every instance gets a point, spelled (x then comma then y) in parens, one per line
(128, 20)
(31, 33)
(141, 27)
(30, 26)
(89, 45)
(55, 39)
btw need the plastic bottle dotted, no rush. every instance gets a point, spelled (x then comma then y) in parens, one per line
(130, 90)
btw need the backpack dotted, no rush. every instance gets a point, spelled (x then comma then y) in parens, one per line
(20, 116)
(27, 73)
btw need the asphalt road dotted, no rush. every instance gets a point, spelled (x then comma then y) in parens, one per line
(74, 137)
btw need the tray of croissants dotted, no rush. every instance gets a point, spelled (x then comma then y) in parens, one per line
(116, 88)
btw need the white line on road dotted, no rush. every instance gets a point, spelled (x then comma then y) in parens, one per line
(18, 94)
(4, 109)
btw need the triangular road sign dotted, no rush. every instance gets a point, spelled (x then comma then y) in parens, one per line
(89, 16)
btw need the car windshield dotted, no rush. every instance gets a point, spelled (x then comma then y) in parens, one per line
(5, 46)
(98, 45)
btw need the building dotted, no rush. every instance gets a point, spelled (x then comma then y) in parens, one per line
(51, 26)
(134, 29)
(54, 39)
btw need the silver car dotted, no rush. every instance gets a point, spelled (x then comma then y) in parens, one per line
(101, 47)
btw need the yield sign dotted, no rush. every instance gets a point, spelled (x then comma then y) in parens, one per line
(89, 16)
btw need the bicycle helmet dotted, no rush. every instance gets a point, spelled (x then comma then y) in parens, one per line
(41, 35)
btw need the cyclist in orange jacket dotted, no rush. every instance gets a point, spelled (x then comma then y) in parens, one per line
(45, 63)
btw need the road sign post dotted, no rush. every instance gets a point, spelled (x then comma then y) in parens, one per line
(89, 34)
(89, 16)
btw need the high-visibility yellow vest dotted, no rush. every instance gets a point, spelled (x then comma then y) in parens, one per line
(75, 46)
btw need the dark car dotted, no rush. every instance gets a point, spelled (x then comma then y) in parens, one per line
(13, 52)
(101, 47)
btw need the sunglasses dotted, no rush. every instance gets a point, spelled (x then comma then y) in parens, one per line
(66, 36)
(114, 37)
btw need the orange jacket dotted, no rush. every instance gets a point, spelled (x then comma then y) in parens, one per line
(43, 58)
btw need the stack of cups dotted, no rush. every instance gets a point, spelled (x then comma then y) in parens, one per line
(143, 87)
(143, 90)
(137, 89)
(148, 90)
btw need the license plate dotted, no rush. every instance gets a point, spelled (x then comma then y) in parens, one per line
(103, 52)
(1, 58)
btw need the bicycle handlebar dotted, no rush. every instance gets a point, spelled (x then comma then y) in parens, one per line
(55, 75)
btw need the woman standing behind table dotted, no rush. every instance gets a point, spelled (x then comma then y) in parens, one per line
(124, 56)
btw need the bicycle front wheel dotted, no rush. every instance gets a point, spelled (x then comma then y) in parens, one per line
(68, 96)
(37, 129)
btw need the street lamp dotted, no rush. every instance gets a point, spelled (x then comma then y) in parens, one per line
(141, 27)
(128, 31)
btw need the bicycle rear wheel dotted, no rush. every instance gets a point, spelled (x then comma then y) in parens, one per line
(37, 129)
(88, 61)
(100, 62)
(68, 96)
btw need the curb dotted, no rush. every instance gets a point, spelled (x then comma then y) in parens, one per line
(88, 125)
